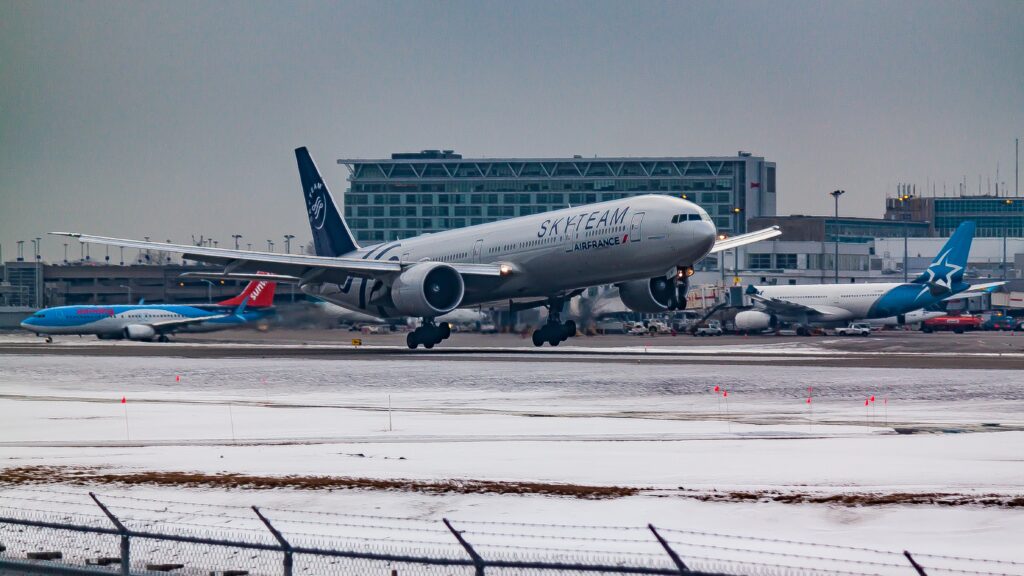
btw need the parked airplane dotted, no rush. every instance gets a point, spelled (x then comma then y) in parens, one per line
(154, 321)
(831, 305)
(645, 244)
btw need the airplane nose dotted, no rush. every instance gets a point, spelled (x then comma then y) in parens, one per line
(704, 237)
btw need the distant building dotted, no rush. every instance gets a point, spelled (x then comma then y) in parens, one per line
(828, 229)
(433, 190)
(996, 216)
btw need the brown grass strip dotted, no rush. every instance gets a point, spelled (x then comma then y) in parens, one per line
(81, 476)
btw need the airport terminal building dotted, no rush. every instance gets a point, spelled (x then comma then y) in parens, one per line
(435, 190)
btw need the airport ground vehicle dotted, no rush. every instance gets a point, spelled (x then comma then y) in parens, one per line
(711, 328)
(610, 326)
(957, 324)
(854, 329)
(1000, 322)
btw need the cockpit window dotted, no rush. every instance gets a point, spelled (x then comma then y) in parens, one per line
(689, 217)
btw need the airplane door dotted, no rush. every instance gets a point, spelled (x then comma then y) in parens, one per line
(478, 250)
(635, 229)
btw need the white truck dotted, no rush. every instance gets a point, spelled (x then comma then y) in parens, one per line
(712, 328)
(854, 329)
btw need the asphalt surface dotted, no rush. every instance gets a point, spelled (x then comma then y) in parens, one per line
(886, 349)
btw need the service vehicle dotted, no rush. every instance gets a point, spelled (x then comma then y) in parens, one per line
(854, 329)
(956, 324)
(711, 328)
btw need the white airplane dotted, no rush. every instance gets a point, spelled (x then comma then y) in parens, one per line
(341, 314)
(647, 245)
(832, 305)
(915, 317)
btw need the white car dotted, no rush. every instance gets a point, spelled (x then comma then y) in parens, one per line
(855, 329)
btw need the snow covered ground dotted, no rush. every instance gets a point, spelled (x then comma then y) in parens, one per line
(659, 427)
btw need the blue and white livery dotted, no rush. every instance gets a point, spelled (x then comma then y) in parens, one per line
(831, 305)
(149, 322)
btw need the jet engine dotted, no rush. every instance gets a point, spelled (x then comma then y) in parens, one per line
(658, 294)
(139, 332)
(427, 290)
(754, 321)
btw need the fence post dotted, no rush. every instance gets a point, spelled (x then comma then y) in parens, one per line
(285, 546)
(918, 567)
(683, 568)
(478, 561)
(126, 552)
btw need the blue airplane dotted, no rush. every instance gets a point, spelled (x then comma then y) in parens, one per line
(830, 305)
(147, 322)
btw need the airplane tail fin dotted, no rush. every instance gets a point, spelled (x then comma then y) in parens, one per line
(258, 294)
(947, 269)
(241, 307)
(331, 235)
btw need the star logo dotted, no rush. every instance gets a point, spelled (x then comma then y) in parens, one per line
(941, 272)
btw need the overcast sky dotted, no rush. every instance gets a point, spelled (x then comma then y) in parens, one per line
(169, 119)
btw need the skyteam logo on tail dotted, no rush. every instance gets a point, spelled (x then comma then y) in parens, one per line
(941, 272)
(317, 205)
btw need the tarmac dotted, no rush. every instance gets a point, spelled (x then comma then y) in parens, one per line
(885, 349)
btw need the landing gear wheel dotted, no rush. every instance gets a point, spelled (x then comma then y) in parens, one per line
(163, 338)
(411, 340)
(570, 328)
(49, 339)
(445, 330)
(538, 338)
(428, 344)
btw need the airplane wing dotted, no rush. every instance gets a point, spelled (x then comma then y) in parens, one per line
(744, 239)
(300, 266)
(785, 307)
(172, 325)
(975, 291)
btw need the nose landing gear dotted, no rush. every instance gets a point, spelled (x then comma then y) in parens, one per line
(428, 334)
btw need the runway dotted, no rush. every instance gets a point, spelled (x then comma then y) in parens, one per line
(892, 349)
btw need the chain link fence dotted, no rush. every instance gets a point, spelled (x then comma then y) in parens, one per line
(55, 532)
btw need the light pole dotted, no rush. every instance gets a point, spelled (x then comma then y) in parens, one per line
(906, 233)
(21, 250)
(236, 237)
(836, 194)
(1006, 231)
(736, 211)
(209, 291)
(39, 248)
(288, 243)
(249, 246)
(129, 287)
(270, 245)
(122, 255)
(721, 259)
(65, 253)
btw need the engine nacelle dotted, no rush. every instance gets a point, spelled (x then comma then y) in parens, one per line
(427, 290)
(139, 332)
(658, 294)
(754, 321)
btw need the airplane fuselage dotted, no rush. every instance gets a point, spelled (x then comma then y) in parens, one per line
(840, 303)
(549, 253)
(110, 321)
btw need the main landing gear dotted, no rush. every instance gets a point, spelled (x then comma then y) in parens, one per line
(428, 334)
(555, 331)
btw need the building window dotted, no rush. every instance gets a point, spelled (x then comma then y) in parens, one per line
(759, 261)
(785, 261)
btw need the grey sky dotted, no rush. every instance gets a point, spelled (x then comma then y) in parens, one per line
(172, 118)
